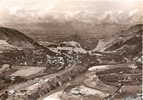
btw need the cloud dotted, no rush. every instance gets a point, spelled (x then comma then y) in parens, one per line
(40, 10)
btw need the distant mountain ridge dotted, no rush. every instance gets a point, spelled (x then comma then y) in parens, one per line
(55, 24)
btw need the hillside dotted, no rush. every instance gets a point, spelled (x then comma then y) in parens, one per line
(17, 38)
(17, 48)
(128, 43)
(20, 40)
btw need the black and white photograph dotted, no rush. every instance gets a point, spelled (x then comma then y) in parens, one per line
(71, 49)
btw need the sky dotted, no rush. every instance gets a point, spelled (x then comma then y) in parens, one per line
(33, 8)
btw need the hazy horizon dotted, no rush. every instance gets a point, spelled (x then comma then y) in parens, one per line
(18, 11)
